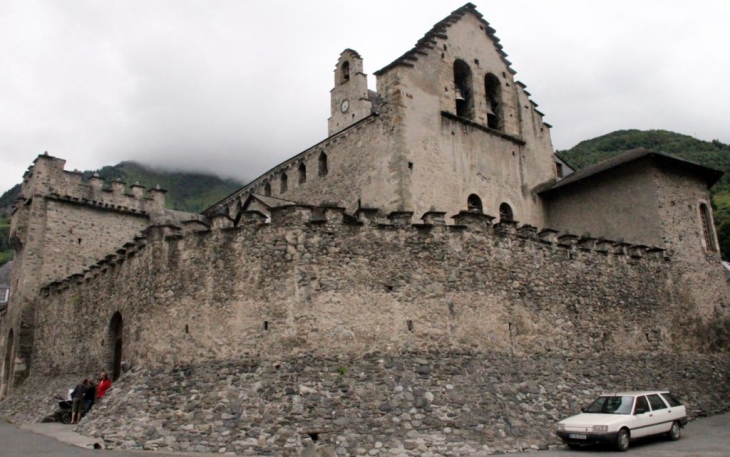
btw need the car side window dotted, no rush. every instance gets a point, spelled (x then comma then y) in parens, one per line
(671, 399)
(656, 402)
(642, 406)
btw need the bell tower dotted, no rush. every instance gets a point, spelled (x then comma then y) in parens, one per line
(349, 98)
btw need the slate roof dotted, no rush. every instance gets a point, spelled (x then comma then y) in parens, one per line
(710, 175)
(271, 202)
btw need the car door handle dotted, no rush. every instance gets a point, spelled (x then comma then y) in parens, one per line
(651, 415)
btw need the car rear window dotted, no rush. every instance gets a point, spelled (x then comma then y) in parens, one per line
(671, 399)
(656, 402)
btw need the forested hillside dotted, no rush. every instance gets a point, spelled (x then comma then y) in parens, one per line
(192, 192)
(709, 153)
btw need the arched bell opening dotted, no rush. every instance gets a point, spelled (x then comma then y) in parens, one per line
(463, 93)
(493, 87)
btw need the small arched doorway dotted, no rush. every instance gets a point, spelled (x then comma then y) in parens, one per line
(116, 329)
(7, 366)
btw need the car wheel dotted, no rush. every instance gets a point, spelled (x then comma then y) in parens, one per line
(622, 440)
(573, 446)
(674, 432)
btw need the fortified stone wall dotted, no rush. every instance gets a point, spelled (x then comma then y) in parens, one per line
(61, 226)
(321, 281)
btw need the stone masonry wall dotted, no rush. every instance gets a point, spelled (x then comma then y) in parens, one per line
(318, 282)
(372, 335)
(415, 404)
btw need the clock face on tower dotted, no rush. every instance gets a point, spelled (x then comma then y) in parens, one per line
(344, 106)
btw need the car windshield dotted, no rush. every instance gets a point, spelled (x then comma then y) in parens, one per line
(611, 405)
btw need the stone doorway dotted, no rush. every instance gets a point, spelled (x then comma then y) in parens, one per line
(7, 374)
(116, 330)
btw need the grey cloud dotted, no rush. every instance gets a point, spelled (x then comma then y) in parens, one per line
(235, 87)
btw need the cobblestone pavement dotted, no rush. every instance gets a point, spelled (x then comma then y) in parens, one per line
(708, 436)
(704, 437)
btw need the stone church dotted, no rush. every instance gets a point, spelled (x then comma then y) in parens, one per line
(438, 191)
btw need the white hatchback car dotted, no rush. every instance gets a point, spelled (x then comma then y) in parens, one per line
(622, 416)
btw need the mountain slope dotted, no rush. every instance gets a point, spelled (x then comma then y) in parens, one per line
(192, 192)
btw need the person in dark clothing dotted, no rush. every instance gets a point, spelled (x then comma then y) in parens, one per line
(89, 396)
(77, 407)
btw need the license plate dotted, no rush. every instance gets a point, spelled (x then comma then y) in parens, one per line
(576, 436)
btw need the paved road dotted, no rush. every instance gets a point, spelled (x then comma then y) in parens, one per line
(42, 440)
(708, 436)
(704, 437)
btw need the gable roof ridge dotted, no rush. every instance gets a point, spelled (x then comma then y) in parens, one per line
(428, 41)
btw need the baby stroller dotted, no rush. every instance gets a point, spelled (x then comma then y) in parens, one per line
(65, 406)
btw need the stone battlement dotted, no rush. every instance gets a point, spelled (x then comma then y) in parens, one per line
(506, 234)
(48, 178)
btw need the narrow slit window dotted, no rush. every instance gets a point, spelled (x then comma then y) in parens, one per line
(707, 229)
(323, 170)
(284, 184)
(302, 173)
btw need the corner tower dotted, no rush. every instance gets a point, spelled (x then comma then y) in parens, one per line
(350, 101)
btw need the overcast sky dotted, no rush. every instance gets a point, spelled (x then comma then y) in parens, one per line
(235, 87)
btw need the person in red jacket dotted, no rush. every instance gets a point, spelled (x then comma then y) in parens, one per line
(104, 385)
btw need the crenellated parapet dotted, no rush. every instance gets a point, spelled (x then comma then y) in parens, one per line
(298, 218)
(47, 178)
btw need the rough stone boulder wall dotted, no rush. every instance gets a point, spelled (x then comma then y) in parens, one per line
(408, 404)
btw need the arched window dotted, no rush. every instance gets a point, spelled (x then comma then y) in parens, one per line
(302, 173)
(495, 118)
(284, 183)
(323, 164)
(267, 189)
(707, 229)
(505, 212)
(345, 71)
(463, 90)
(474, 203)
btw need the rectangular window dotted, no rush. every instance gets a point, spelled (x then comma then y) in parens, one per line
(559, 169)
(4, 295)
